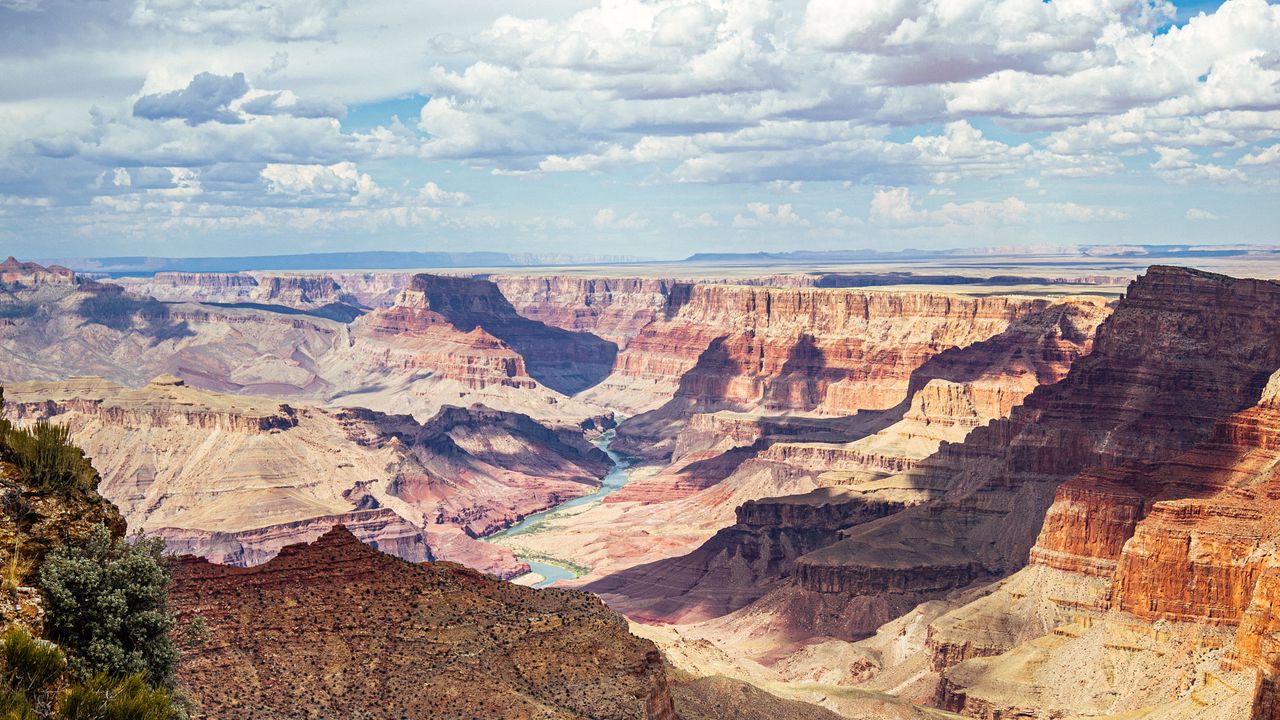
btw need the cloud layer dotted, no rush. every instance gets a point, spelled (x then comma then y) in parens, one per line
(696, 124)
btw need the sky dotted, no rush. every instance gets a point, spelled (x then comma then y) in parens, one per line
(650, 128)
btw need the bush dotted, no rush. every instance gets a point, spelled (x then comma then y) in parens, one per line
(106, 604)
(32, 675)
(45, 456)
(34, 686)
(128, 698)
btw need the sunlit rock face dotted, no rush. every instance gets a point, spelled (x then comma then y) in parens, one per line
(827, 352)
(235, 478)
(1182, 350)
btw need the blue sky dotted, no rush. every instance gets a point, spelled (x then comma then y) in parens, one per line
(639, 127)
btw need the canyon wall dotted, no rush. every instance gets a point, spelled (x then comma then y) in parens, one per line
(295, 290)
(235, 478)
(1106, 551)
(1179, 554)
(615, 309)
(1182, 350)
(829, 353)
(407, 358)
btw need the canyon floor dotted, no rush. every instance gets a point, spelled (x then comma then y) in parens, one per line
(987, 485)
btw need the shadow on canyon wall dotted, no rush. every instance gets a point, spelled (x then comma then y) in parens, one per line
(767, 555)
(123, 312)
(565, 361)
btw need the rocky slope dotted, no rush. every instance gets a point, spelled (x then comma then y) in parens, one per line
(336, 629)
(408, 358)
(235, 478)
(28, 274)
(295, 290)
(1136, 495)
(1175, 556)
(33, 521)
(724, 459)
(1182, 350)
(615, 309)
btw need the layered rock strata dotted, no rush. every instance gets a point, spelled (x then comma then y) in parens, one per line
(235, 478)
(1182, 350)
(822, 352)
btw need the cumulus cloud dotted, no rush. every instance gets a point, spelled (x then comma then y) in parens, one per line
(1265, 156)
(1181, 165)
(761, 98)
(286, 103)
(337, 180)
(1199, 214)
(205, 99)
(433, 194)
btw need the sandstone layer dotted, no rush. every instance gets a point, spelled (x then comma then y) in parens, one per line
(337, 629)
(795, 350)
(1137, 497)
(406, 359)
(1182, 350)
(235, 478)
(855, 462)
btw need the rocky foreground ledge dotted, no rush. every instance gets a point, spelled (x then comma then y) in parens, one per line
(336, 629)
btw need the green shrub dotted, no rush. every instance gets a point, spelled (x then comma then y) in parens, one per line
(106, 604)
(46, 457)
(128, 698)
(32, 675)
(34, 686)
(30, 665)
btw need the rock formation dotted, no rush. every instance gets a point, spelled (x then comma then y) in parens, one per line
(235, 478)
(20, 275)
(615, 309)
(1136, 495)
(789, 350)
(750, 456)
(1182, 350)
(337, 629)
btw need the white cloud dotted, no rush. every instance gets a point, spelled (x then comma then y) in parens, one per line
(608, 220)
(1265, 156)
(763, 214)
(898, 206)
(433, 194)
(775, 95)
(282, 20)
(339, 180)
(1181, 165)
(1199, 214)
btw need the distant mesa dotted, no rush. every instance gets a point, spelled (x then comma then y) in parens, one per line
(380, 260)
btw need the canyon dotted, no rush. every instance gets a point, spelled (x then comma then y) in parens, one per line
(235, 478)
(842, 491)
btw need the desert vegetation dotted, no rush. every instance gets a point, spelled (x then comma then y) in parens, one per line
(99, 642)
(45, 456)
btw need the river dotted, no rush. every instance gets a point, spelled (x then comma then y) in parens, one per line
(552, 572)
